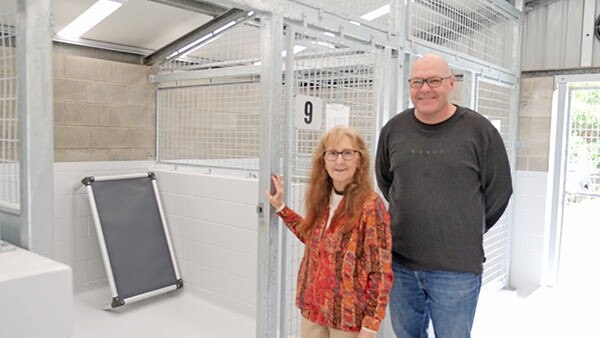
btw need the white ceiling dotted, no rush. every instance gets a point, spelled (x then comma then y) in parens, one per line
(142, 24)
(138, 23)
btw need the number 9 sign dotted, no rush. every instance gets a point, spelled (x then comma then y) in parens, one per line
(308, 112)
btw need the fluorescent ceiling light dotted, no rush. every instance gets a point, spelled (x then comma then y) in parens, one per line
(200, 45)
(218, 30)
(183, 49)
(297, 49)
(329, 34)
(381, 11)
(90, 18)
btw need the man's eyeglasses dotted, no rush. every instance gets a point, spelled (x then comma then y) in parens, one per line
(432, 82)
(332, 155)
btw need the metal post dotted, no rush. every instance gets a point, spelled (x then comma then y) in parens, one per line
(556, 186)
(285, 299)
(387, 73)
(403, 90)
(269, 163)
(468, 89)
(385, 84)
(36, 120)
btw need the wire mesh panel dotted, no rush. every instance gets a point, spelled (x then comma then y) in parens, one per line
(374, 11)
(473, 27)
(213, 120)
(235, 46)
(9, 138)
(340, 80)
(342, 77)
(213, 125)
(495, 102)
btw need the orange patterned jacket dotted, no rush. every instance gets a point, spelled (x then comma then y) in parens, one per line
(344, 280)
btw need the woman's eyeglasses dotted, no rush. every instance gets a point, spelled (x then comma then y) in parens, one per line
(432, 82)
(332, 155)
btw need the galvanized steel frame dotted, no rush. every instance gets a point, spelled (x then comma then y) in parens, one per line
(286, 238)
(269, 164)
(309, 15)
(385, 105)
(36, 118)
(299, 17)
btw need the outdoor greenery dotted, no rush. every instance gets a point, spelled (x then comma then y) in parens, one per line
(584, 139)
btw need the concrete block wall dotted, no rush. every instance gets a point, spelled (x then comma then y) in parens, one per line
(212, 220)
(535, 115)
(103, 110)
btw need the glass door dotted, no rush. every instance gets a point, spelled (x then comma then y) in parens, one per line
(581, 199)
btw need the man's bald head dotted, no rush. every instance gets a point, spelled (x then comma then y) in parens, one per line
(432, 62)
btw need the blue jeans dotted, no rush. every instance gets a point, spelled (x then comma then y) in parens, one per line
(448, 298)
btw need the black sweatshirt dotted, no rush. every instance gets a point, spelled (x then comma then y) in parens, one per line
(447, 184)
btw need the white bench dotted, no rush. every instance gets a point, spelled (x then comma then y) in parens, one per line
(36, 296)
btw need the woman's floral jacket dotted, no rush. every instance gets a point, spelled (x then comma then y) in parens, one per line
(345, 279)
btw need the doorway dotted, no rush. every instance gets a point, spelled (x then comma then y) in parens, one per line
(581, 195)
(575, 209)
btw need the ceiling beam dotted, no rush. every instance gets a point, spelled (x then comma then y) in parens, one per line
(163, 53)
(195, 6)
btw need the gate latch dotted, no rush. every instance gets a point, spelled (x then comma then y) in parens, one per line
(259, 209)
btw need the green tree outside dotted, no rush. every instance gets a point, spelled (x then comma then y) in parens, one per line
(584, 142)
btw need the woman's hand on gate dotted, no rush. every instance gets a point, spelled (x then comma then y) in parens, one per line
(275, 196)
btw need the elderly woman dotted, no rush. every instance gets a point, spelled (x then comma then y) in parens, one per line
(345, 276)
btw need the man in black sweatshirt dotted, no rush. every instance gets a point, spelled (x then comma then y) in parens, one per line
(446, 175)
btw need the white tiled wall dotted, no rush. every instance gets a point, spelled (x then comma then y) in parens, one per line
(527, 253)
(212, 220)
(213, 224)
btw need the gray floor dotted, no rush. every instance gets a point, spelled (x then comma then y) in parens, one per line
(547, 312)
(568, 310)
(174, 315)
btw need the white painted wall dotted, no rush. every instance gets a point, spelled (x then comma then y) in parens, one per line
(212, 219)
(213, 225)
(527, 254)
(35, 295)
